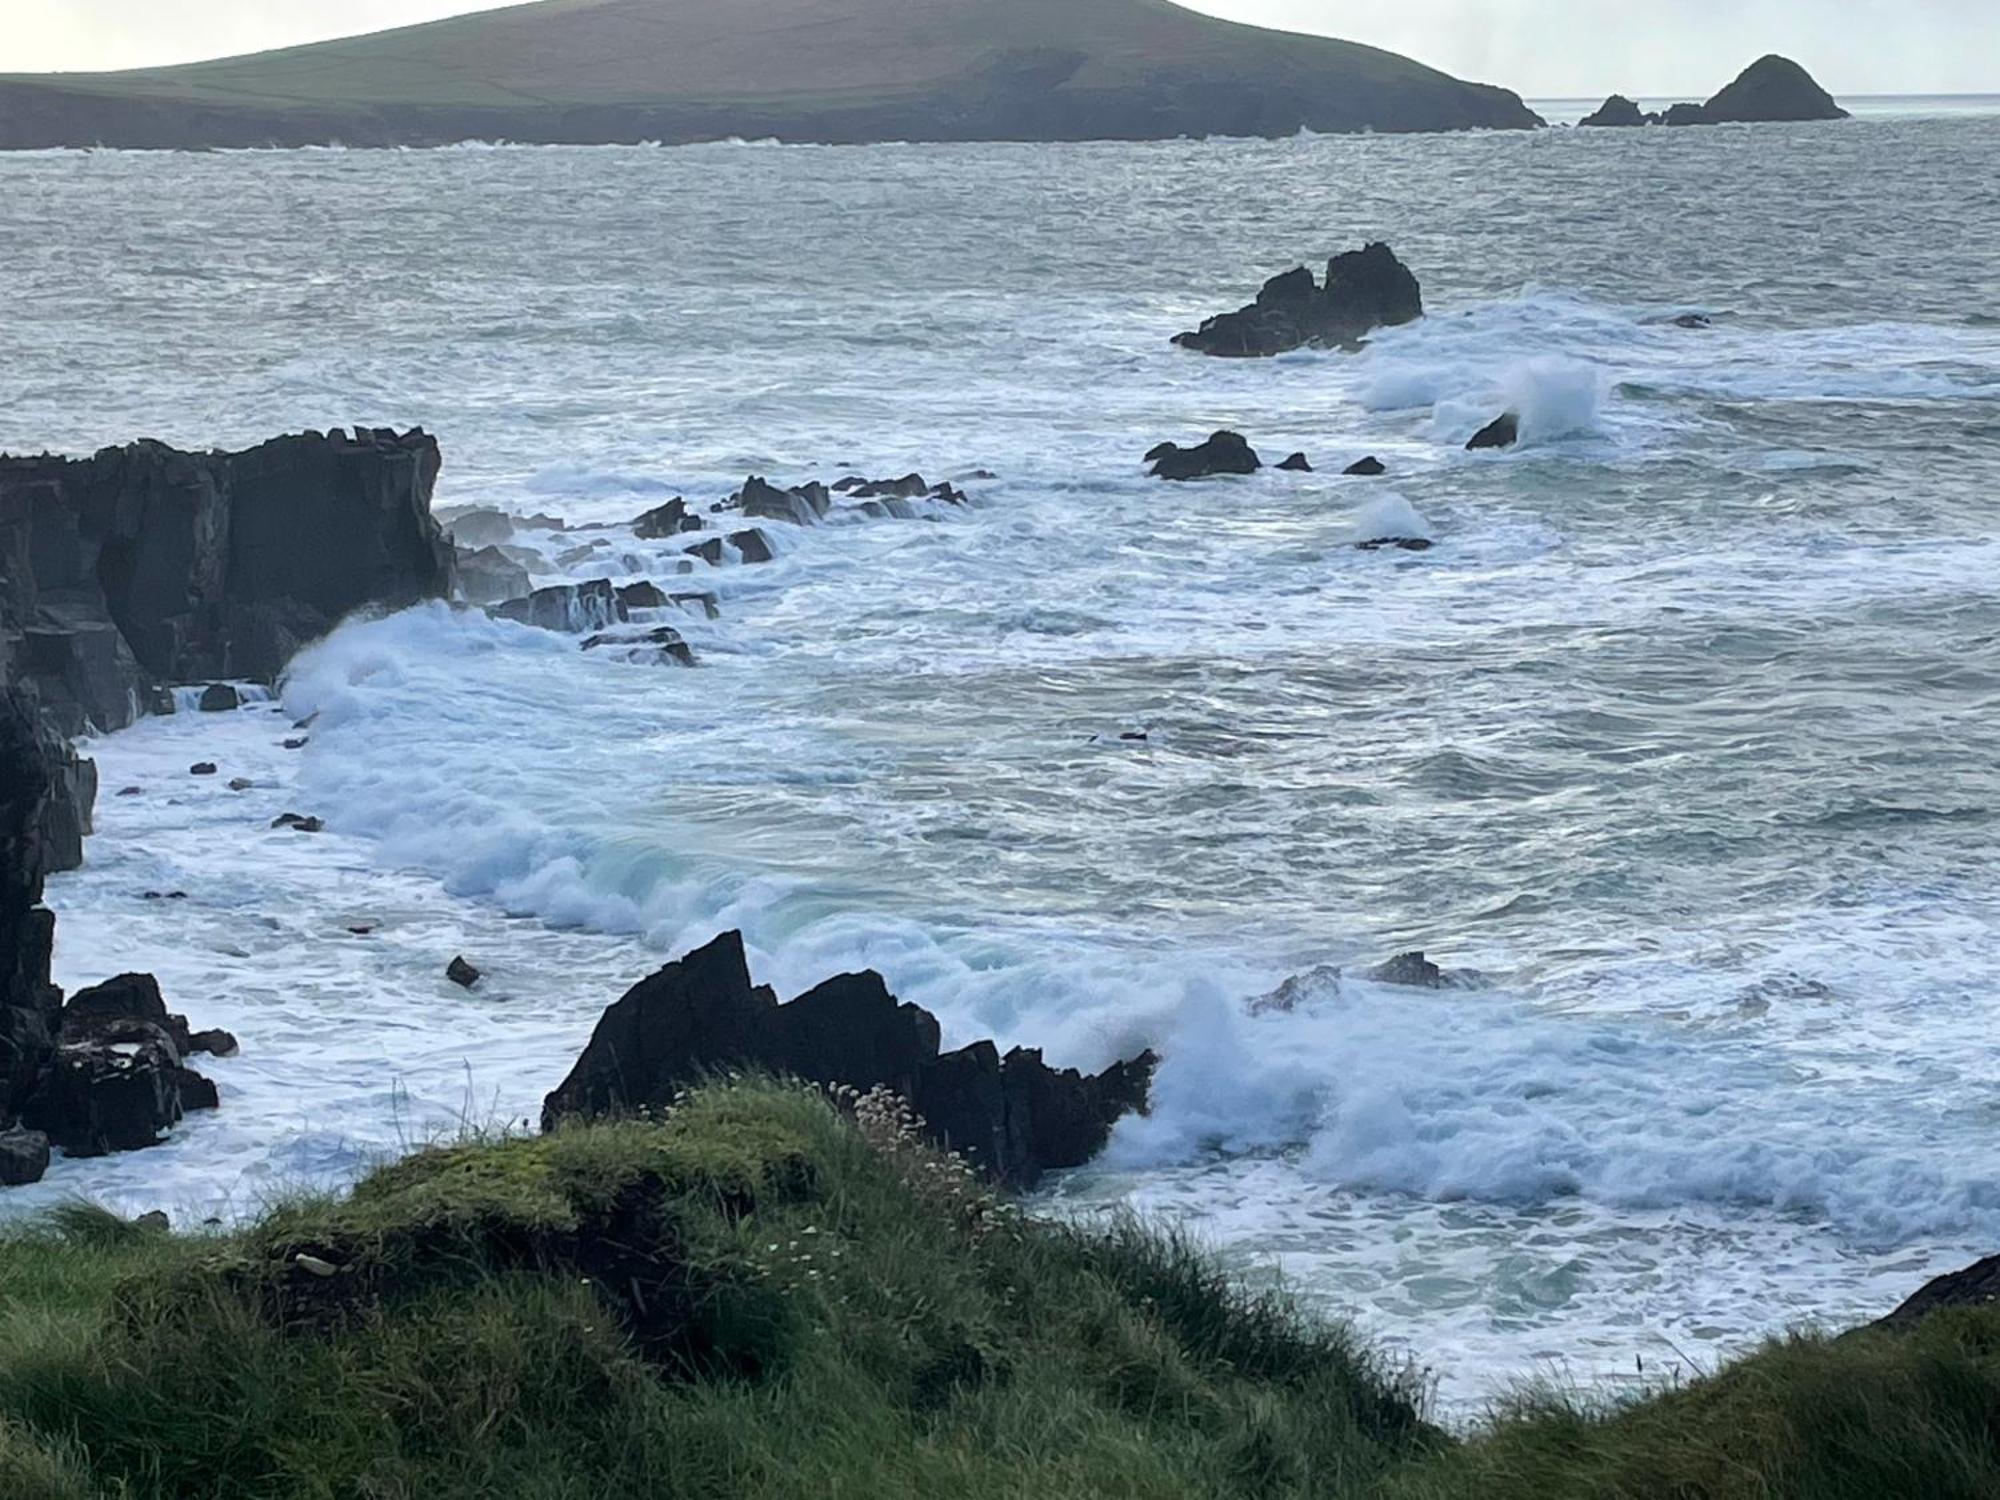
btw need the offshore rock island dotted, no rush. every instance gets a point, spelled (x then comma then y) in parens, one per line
(591, 72)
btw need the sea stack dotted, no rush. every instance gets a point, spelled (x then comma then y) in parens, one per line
(1772, 89)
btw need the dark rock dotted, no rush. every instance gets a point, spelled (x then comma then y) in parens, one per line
(1223, 453)
(1014, 1118)
(666, 520)
(129, 791)
(1397, 543)
(642, 595)
(490, 576)
(1412, 970)
(706, 604)
(1503, 431)
(1298, 463)
(662, 645)
(1365, 290)
(297, 744)
(478, 528)
(1693, 321)
(1976, 1286)
(909, 487)
(849, 483)
(1679, 115)
(752, 545)
(945, 494)
(164, 896)
(241, 784)
(709, 551)
(299, 824)
(766, 502)
(215, 1042)
(1367, 468)
(98, 1097)
(24, 1157)
(129, 1006)
(202, 768)
(1159, 451)
(1618, 111)
(461, 973)
(571, 608)
(1772, 89)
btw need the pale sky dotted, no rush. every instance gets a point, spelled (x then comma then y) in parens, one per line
(1542, 48)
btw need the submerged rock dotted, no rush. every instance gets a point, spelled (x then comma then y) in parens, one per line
(299, 823)
(1297, 463)
(661, 645)
(1365, 289)
(1223, 453)
(1366, 468)
(571, 608)
(1503, 431)
(490, 576)
(1014, 1117)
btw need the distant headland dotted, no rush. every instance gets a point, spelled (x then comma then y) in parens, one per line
(1770, 90)
(624, 71)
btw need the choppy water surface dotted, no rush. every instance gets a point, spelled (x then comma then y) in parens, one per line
(1683, 736)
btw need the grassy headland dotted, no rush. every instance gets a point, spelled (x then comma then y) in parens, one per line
(597, 71)
(759, 1296)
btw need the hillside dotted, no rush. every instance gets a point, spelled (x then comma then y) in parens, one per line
(755, 1298)
(600, 71)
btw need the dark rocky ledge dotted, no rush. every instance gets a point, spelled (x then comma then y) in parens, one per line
(1364, 290)
(1013, 1117)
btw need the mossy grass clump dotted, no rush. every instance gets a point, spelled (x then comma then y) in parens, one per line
(766, 1294)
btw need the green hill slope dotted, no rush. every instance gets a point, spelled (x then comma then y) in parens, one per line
(593, 71)
(755, 1298)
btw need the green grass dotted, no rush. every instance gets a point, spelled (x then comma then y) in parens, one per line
(757, 1297)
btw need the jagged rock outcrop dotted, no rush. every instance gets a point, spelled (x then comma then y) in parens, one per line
(1223, 453)
(1013, 1117)
(1977, 1285)
(1365, 289)
(1678, 115)
(1618, 112)
(1504, 431)
(1772, 89)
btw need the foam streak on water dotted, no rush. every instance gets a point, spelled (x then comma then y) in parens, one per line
(1682, 734)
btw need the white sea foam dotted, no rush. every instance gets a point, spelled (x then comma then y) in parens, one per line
(1683, 736)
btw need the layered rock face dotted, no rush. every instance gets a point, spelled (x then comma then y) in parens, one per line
(1365, 289)
(144, 564)
(1013, 1117)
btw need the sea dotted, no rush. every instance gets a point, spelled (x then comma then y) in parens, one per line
(1679, 748)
